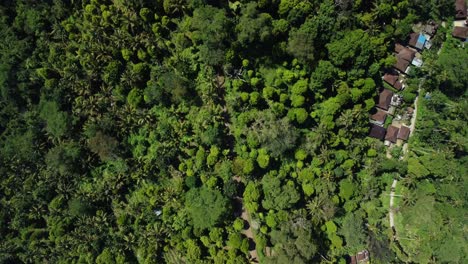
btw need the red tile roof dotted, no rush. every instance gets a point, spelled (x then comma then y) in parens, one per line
(392, 133)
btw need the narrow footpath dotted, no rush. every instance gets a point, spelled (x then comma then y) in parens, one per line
(253, 254)
(391, 211)
(219, 82)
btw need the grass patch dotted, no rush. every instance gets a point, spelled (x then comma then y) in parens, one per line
(389, 87)
(388, 121)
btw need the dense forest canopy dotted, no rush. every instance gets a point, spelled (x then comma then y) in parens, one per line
(200, 131)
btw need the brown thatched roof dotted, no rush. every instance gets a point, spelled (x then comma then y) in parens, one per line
(404, 57)
(413, 39)
(407, 54)
(385, 98)
(392, 133)
(398, 48)
(392, 79)
(460, 9)
(403, 133)
(379, 116)
(401, 65)
(460, 32)
(377, 132)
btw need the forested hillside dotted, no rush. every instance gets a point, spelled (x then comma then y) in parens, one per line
(199, 131)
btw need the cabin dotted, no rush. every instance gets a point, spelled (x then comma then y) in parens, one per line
(377, 132)
(402, 65)
(403, 133)
(404, 52)
(417, 41)
(360, 258)
(392, 78)
(392, 135)
(404, 57)
(460, 9)
(378, 117)
(398, 48)
(460, 33)
(385, 99)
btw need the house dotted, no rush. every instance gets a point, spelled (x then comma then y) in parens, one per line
(430, 29)
(403, 133)
(377, 132)
(361, 257)
(402, 65)
(404, 57)
(417, 41)
(378, 117)
(398, 48)
(406, 54)
(460, 32)
(385, 99)
(460, 9)
(392, 135)
(392, 78)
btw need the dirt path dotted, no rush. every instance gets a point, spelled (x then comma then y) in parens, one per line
(391, 211)
(250, 235)
(249, 231)
(219, 82)
(413, 118)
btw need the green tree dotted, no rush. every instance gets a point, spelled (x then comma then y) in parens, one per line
(211, 30)
(206, 207)
(263, 158)
(301, 42)
(278, 195)
(353, 232)
(253, 27)
(275, 135)
(103, 145)
(57, 122)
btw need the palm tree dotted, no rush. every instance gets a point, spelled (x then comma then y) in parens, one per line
(320, 209)
(173, 256)
(346, 119)
(324, 154)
